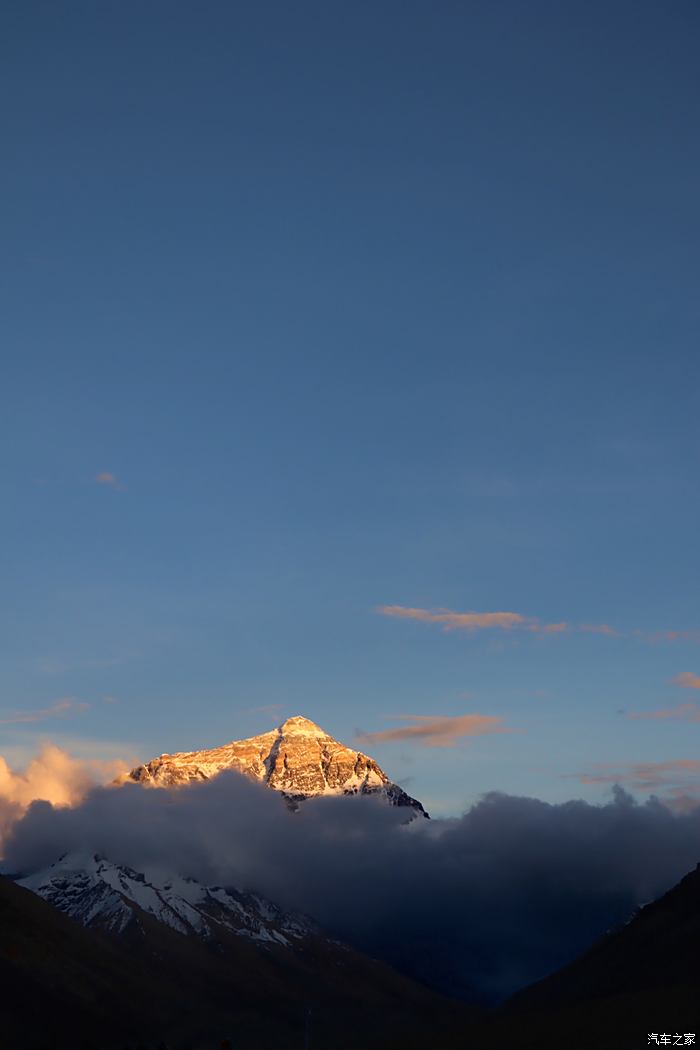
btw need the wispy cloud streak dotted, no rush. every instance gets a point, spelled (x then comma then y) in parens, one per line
(683, 712)
(471, 621)
(670, 636)
(644, 775)
(60, 709)
(484, 621)
(688, 712)
(598, 628)
(431, 731)
(105, 477)
(687, 680)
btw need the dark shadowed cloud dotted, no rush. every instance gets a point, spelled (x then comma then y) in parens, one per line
(487, 902)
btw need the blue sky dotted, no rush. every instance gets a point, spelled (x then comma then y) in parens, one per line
(353, 305)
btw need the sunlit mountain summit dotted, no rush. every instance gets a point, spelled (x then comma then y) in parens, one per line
(298, 759)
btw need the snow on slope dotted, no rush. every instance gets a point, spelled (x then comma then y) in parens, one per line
(98, 893)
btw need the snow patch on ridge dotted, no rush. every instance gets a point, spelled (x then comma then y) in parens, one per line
(96, 892)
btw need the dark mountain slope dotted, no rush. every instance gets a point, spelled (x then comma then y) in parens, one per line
(658, 949)
(58, 979)
(65, 986)
(641, 979)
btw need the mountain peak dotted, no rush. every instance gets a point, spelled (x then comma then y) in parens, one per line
(299, 724)
(298, 759)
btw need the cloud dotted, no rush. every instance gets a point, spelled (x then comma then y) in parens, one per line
(680, 800)
(675, 773)
(431, 731)
(687, 680)
(684, 712)
(670, 636)
(479, 905)
(456, 621)
(688, 712)
(54, 776)
(599, 628)
(509, 621)
(66, 706)
(480, 621)
(105, 477)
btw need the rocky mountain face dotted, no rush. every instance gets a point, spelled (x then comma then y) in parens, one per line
(297, 758)
(113, 898)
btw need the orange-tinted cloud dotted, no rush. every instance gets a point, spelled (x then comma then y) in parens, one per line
(105, 477)
(54, 776)
(684, 712)
(66, 706)
(689, 712)
(455, 621)
(599, 628)
(507, 621)
(644, 775)
(687, 680)
(670, 636)
(555, 628)
(432, 731)
(681, 801)
(480, 621)
(472, 621)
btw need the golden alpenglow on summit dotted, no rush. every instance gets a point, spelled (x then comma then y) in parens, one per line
(298, 759)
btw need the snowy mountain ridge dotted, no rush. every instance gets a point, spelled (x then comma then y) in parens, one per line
(111, 897)
(298, 759)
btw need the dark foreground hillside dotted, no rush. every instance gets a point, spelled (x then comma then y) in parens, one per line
(641, 980)
(644, 978)
(64, 986)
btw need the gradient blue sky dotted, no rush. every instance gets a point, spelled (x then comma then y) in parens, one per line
(361, 304)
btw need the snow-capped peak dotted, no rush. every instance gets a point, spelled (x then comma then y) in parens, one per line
(297, 725)
(298, 758)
